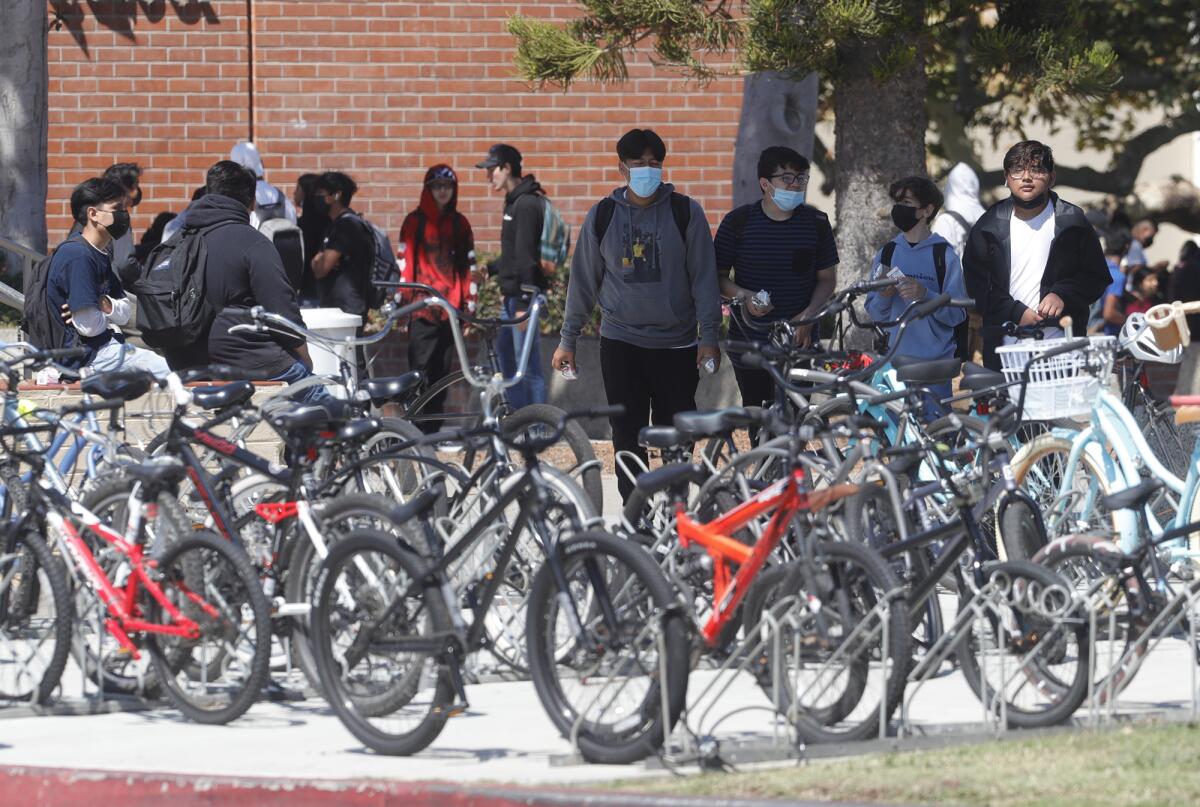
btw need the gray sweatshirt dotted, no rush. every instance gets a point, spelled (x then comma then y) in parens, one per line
(652, 289)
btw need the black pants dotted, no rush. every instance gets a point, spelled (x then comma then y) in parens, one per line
(431, 350)
(653, 384)
(756, 386)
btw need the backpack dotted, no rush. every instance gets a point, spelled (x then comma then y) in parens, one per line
(285, 235)
(384, 267)
(173, 309)
(961, 330)
(556, 241)
(42, 326)
(681, 209)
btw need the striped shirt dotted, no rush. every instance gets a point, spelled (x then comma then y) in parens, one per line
(782, 257)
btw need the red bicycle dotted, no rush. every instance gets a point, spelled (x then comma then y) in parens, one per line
(187, 599)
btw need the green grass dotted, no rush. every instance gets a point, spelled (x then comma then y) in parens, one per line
(1157, 765)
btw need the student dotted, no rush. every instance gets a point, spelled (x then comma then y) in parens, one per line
(929, 266)
(519, 264)
(1033, 255)
(781, 246)
(437, 248)
(82, 285)
(343, 265)
(652, 269)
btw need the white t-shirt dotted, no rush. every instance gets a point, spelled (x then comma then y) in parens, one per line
(1030, 243)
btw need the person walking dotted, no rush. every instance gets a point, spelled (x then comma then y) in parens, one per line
(645, 254)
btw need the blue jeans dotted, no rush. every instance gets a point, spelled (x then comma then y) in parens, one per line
(532, 388)
(314, 394)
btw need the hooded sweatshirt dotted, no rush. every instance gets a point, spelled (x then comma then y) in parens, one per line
(933, 336)
(437, 248)
(243, 270)
(521, 238)
(652, 287)
(266, 195)
(962, 201)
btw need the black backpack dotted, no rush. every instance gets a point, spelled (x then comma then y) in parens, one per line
(961, 330)
(173, 310)
(384, 266)
(42, 325)
(681, 209)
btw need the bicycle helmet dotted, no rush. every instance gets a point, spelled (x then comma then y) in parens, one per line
(1138, 339)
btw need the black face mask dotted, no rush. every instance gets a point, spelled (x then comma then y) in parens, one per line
(317, 206)
(120, 224)
(905, 217)
(1146, 242)
(1032, 204)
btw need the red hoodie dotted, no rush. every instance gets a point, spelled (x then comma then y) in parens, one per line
(438, 248)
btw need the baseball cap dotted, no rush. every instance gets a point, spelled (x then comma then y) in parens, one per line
(500, 154)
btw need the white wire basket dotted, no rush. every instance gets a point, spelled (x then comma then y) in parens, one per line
(1063, 386)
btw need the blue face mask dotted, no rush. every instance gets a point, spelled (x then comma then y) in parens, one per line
(786, 200)
(644, 181)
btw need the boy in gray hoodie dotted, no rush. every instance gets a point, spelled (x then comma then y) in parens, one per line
(645, 254)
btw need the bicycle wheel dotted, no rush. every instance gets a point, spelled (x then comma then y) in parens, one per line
(1040, 467)
(96, 651)
(36, 619)
(833, 670)
(573, 454)
(377, 624)
(398, 477)
(337, 519)
(606, 692)
(1034, 647)
(211, 582)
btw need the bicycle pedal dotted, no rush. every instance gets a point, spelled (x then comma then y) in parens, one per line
(458, 710)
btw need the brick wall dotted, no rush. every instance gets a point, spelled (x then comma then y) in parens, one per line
(381, 89)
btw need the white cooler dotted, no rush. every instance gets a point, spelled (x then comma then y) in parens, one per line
(335, 324)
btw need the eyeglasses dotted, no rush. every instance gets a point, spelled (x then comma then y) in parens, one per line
(1034, 173)
(792, 179)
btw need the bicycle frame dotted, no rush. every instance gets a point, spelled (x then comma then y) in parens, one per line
(786, 498)
(121, 602)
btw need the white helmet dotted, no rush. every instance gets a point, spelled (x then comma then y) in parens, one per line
(1138, 339)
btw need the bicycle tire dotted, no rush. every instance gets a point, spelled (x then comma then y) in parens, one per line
(852, 568)
(21, 617)
(636, 734)
(1035, 470)
(435, 620)
(197, 582)
(574, 436)
(302, 565)
(1069, 691)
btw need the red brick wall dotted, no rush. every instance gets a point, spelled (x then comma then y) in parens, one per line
(380, 89)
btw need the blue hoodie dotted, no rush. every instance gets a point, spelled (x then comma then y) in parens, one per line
(932, 337)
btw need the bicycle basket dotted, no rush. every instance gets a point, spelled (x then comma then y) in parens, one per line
(1062, 386)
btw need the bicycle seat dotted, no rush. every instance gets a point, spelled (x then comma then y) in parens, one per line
(924, 371)
(118, 385)
(906, 361)
(709, 424)
(220, 396)
(670, 476)
(329, 414)
(383, 390)
(1133, 498)
(661, 437)
(355, 431)
(977, 377)
(157, 472)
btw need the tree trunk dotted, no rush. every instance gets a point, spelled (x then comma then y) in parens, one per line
(23, 113)
(880, 137)
(776, 111)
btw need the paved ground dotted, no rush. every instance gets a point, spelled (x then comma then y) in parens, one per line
(505, 737)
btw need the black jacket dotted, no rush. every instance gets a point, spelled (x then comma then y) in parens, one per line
(243, 270)
(521, 238)
(1075, 271)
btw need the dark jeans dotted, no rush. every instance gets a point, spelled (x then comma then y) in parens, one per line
(314, 394)
(431, 350)
(653, 384)
(532, 388)
(757, 388)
